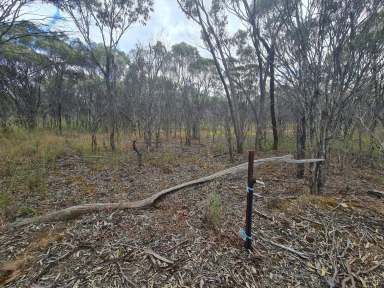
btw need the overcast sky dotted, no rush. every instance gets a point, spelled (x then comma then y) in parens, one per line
(167, 23)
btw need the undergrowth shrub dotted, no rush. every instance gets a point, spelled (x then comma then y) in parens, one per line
(165, 158)
(166, 161)
(4, 200)
(278, 204)
(214, 210)
(5, 203)
(297, 205)
(28, 155)
(36, 178)
(219, 148)
(379, 180)
(26, 212)
(79, 143)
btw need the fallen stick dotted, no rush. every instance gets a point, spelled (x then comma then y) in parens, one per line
(263, 215)
(287, 248)
(376, 193)
(78, 210)
(57, 261)
(157, 256)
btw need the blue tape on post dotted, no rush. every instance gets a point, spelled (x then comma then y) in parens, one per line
(249, 189)
(244, 235)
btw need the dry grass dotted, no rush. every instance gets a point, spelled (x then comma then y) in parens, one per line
(85, 188)
(298, 204)
(28, 156)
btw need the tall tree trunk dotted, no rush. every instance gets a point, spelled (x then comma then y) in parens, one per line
(318, 177)
(272, 97)
(59, 98)
(300, 144)
(228, 136)
(158, 137)
(112, 139)
(111, 90)
(196, 130)
(94, 142)
(261, 116)
(188, 133)
(229, 91)
(148, 136)
(59, 115)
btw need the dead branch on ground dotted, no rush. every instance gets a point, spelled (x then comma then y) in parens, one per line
(76, 211)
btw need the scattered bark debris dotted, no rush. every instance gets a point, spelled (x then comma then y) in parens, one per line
(300, 240)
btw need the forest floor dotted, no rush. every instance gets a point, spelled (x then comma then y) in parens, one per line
(336, 239)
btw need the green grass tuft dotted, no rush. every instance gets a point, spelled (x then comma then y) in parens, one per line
(4, 200)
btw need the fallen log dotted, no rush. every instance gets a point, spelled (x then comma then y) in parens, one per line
(78, 210)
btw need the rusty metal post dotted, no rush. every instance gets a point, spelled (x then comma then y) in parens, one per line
(248, 216)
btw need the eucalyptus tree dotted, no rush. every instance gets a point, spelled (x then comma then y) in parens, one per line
(183, 55)
(23, 67)
(6, 109)
(10, 11)
(170, 105)
(326, 57)
(186, 64)
(91, 102)
(219, 119)
(247, 81)
(108, 19)
(203, 75)
(212, 19)
(145, 85)
(263, 21)
(370, 112)
(153, 95)
(133, 87)
(69, 64)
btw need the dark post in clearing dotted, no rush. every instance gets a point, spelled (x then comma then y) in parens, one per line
(248, 216)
